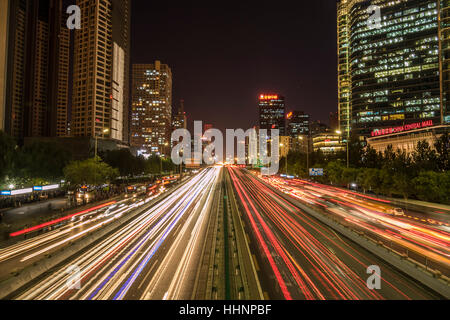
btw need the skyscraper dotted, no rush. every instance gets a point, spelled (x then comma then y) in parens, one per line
(444, 46)
(297, 123)
(179, 120)
(344, 81)
(101, 70)
(37, 60)
(151, 115)
(4, 14)
(390, 76)
(272, 113)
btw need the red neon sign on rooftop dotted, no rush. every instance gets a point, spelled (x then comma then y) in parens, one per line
(268, 97)
(406, 127)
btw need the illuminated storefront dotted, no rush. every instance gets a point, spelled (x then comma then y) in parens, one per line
(406, 139)
(328, 143)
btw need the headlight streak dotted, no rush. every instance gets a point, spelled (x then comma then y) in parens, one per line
(158, 222)
(423, 239)
(329, 274)
(124, 289)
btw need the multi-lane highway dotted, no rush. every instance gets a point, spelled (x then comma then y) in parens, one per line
(222, 234)
(425, 237)
(155, 256)
(304, 259)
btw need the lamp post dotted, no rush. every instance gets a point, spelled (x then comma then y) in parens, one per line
(181, 165)
(105, 131)
(160, 157)
(285, 158)
(348, 154)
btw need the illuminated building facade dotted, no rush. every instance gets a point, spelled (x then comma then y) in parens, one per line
(285, 145)
(272, 112)
(406, 137)
(4, 11)
(101, 70)
(444, 9)
(34, 66)
(179, 120)
(297, 123)
(317, 127)
(151, 114)
(390, 76)
(344, 81)
(328, 143)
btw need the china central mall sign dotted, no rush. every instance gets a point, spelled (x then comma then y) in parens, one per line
(406, 127)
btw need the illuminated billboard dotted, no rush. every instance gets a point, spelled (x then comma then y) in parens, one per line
(406, 127)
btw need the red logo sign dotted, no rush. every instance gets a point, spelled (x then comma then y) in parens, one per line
(267, 97)
(406, 127)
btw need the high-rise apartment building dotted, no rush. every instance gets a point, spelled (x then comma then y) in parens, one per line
(272, 112)
(4, 16)
(151, 115)
(396, 73)
(101, 70)
(37, 60)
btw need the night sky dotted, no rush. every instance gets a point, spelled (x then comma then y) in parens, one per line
(224, 54)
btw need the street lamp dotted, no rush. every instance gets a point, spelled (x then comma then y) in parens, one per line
(105, 131)
(160, 156)
(285, 158)
(339, 132)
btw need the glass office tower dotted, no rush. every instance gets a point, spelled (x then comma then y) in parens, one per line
(394, 71)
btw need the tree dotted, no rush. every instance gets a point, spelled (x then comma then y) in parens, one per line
(424, 157)
(442, 147)
(402, 172)
(153, 165)
(426, 186)
(370, 179)
(92, 172)
(41, 160)
(356, 151)
(372, 159)
(334, 172)
(127, 164)
(349, 175)
(386, 185)
(7, 154)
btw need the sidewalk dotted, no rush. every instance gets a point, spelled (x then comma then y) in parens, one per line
(20, 218)
(26, 213)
